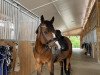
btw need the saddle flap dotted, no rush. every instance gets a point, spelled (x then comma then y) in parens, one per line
(63, 43)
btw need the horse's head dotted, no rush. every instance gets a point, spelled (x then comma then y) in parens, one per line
(46, 32)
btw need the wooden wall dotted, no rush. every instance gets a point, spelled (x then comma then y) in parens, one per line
(92, 24)
(26, 59)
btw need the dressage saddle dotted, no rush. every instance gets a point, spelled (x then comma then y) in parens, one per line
(63, 43)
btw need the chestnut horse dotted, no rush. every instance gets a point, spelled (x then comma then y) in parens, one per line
(43, 47)
(66, 52)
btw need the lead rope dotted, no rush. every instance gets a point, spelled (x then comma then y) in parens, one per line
(17, 63)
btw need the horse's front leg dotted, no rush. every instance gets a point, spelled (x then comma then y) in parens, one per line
(38, 68)
(61, 64)
(51, 67)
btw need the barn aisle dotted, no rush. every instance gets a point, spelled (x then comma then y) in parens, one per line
(81, 65)
(84, 65)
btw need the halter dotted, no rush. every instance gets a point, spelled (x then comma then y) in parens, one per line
(48, 42)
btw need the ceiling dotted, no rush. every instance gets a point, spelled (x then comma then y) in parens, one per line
(69, 14)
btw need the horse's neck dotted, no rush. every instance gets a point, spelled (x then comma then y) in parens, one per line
(38, 42)
(39, 46)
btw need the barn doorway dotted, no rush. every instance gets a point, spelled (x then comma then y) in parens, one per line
(75, 41)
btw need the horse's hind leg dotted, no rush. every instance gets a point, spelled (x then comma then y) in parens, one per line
(51, 68)
(67, 66)
(61, 64)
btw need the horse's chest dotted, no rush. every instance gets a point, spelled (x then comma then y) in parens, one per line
(43, 58)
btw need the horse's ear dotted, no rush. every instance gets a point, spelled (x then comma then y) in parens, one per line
(42, 18)
(52, 20)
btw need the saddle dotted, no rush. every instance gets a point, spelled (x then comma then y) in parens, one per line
(63, 43)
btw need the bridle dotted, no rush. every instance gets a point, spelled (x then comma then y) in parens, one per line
(47, 44)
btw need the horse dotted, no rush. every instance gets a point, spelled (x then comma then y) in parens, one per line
(87, 47)
(65, 53)
(45, 39)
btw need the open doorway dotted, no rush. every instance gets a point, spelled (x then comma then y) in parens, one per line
(75, 41)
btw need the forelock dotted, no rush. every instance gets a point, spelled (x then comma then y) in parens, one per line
(49, 25)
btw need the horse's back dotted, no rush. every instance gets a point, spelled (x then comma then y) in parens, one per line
(68, 42)
(69, 46)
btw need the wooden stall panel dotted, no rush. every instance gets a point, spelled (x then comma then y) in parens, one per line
(98, 34)
(26, 57)
(95, 51)
(93, 19)
(98, 51)
(98, 14)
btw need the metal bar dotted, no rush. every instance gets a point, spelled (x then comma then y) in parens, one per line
(2, 8)
(12, 13)
(13, 2)
(44, 5)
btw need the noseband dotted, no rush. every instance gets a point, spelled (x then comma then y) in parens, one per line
(47, 45)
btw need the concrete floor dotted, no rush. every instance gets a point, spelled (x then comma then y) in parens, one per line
(84, 65)
(81, 65)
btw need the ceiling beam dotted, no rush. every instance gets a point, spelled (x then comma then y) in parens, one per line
(88, 11)
(60, 14)
(44, 5)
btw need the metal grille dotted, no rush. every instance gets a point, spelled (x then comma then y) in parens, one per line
(28, 26)
(90, 37)
(16, 22)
